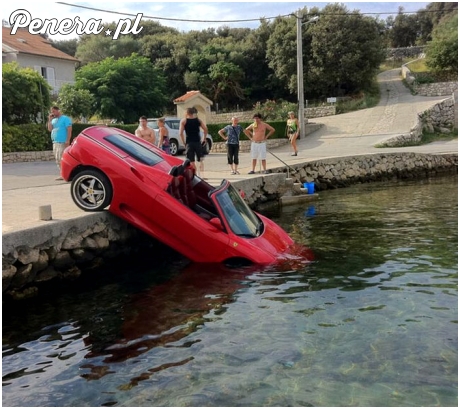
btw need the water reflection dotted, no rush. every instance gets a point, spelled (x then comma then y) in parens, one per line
(166, 313)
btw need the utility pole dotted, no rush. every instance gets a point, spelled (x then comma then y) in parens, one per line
(300, 91)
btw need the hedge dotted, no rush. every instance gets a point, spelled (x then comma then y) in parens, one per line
(36, 137)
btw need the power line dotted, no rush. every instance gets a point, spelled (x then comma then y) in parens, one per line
(170, 19)
(243, 20)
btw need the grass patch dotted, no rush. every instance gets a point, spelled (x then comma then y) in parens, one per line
(437, 136)
(427, 137)
(418, 66)
(391, 64)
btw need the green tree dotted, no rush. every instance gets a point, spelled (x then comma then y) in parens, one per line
(260, 82)
(124, 89)
(95, 48)
(25, 95)
(76, 102)
(442, 51)
(282, 51)
(66, 46)
(346, 51)
(169, 53)
(404, 30)
(226, 78)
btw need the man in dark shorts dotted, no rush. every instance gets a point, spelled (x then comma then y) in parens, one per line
(191, 124)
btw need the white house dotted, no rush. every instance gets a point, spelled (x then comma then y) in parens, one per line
(34, 51)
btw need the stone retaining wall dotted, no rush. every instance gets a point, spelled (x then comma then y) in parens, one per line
(61, 250)
(34, 156)
(342, 172)
(246, 116)
(440, 117)
(404, 52)
(245, 146)
(435, 89)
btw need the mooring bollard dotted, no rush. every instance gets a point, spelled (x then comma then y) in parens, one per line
(44, 212)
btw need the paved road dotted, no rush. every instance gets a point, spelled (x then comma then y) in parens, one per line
(26, 186)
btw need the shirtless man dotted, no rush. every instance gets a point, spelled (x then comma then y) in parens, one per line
(257, 133)
(144, 131)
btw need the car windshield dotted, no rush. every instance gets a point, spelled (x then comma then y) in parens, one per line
(134, 149)
(241, 219)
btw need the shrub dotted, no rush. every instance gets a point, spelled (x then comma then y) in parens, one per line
(272, 110)
(25, 138)
(36, 137)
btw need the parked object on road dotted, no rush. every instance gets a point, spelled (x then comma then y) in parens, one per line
(172, 125)
(162, 196)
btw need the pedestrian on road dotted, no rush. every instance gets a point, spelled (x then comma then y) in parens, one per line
(163, 143)
(191, 124)
(145, 132)
(231, 133)
(293, 130)
(257, 134)
(60, 127)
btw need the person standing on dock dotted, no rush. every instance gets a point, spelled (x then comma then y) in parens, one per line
(231, 133)
(257, 134)
(293, 130)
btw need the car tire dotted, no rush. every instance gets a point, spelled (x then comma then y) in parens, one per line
(91, 190)
(208, 146)
(173, 147)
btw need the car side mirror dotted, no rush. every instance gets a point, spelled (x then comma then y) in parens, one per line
(215, 221)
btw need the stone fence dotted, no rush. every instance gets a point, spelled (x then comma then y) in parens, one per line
(404, 52)
(61, 251)
(245, 146)
(34, 156)
(435, 89)
(246, 116)
(441, 117)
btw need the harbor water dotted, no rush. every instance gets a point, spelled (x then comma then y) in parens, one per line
(370, 321)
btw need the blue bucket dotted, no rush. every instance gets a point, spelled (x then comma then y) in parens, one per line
(310, 186)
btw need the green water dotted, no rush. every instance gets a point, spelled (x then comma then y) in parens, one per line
(372, 321)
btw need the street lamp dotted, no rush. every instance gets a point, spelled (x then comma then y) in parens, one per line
(300, 93)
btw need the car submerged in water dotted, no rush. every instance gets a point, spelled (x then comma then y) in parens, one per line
(162, 196)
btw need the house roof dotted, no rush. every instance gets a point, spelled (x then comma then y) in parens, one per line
(24, 42)
(190, 95)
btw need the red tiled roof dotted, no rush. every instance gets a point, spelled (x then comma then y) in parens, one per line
(186, 96)
(24, 42)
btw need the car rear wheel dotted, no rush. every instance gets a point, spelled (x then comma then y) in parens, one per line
(208, 146)
(173, 147)
(91, 190)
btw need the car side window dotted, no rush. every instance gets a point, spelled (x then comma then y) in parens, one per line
(152, 124)
(134, 149)
(173, 124)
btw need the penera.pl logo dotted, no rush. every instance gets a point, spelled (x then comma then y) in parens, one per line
(23, 19)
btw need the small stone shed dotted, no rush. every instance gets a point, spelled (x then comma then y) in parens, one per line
(197, 100)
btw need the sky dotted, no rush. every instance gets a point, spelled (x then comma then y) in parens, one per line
(210, 14)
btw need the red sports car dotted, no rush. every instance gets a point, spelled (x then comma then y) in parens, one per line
(162, 196)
